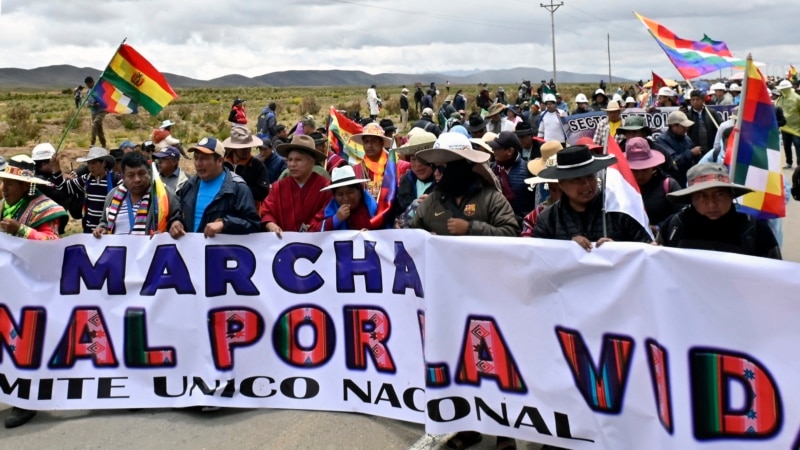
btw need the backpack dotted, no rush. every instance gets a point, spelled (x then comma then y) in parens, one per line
(263, 122)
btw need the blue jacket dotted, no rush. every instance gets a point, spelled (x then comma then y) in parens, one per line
(680, 149)
(233, 204)
(275, 166)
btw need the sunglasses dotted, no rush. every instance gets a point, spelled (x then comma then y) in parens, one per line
(439, 167)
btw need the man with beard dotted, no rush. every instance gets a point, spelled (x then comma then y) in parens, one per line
(465, 200)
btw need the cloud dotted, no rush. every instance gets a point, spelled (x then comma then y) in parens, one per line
(207, 38)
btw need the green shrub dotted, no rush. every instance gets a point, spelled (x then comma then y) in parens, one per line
(185, 112)
(309, 106)
(21, 129)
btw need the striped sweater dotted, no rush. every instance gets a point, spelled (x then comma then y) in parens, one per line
(94, 190)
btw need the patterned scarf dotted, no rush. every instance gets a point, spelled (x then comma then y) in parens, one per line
(140, 222)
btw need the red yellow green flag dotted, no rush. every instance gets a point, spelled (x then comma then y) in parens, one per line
(135, 77)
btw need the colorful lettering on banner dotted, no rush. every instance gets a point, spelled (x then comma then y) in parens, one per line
(486, 354)
(659, 374)
(368, 330)
(286, 342)
(137, 353)
(406, 325)
(713, 374)
(23, 341)
(602, 387)
(230, 329)
(86, 336)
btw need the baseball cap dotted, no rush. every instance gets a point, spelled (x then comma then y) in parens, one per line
(506, 139)
(126, 144)
(169, 152)
(427, 112)
(209, 146)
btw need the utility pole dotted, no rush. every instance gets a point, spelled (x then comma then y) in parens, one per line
(552, 7)
(608, 43)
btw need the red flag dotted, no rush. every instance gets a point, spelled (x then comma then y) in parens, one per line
(658, 83)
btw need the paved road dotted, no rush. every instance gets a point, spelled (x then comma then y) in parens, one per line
(247, 429)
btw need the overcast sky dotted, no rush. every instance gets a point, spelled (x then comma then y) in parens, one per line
(209, 38)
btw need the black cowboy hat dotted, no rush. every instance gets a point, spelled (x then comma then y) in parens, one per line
(576, 161)
(476, 123)
(524, 129)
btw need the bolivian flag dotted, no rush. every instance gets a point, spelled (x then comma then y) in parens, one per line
(138, 80)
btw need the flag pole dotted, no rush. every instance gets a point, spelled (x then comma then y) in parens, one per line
(85, 99)
(603, 182)
(737, 134)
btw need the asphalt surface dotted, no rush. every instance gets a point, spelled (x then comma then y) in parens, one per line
(247, 428)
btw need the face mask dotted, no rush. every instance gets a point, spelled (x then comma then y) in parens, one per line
(457, 178)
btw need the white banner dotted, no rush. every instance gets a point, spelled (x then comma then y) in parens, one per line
(630, 346)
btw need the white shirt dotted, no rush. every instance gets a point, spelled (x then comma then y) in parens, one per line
(122, 224)
(551, 128)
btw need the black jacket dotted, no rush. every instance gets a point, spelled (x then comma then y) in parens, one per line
(427, 125)
(561, 221)
(256, 176)
(407, 193)
(233, 204)
(734, 232)
(404, 102)
(711, 127)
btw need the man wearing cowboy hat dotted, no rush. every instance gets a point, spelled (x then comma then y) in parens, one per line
(579, 215)
(609, 124)
(465, 200)
(418, 182)
(294, 200)
(530, 146)
(239, 158)
(215, 200)
(130, 209)
(494, 115)
(28, 214)
(94, 185)
(376, 158)
(711, 221)
(476, 126)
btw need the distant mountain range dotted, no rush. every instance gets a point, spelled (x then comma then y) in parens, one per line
(63, 76)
